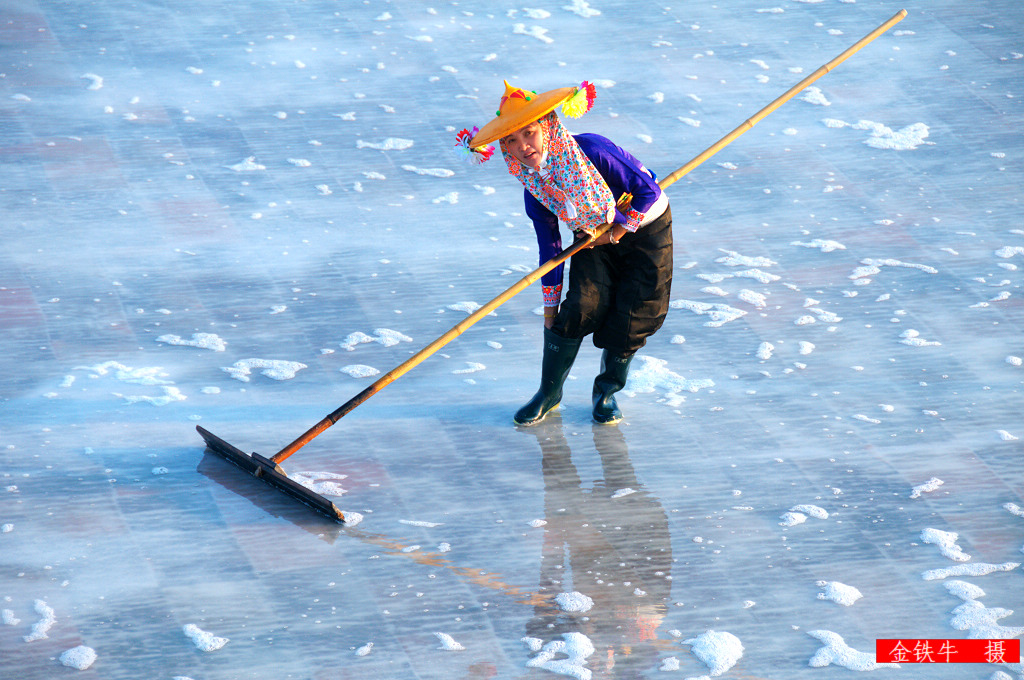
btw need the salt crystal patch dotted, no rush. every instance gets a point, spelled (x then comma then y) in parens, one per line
(812, 510)
(41, 627)
(974, 569)
(669, 664)
(623, 492)
(718, 650)
(758, 300)
(448, 643)
(576, 647)
(359, 370)
(946, 541)
(574, 602)
(931, 485)
(6, 528)
(532, 643)
(983, 622)
(964, 590)
(323, 483)
(790, 519)
(272, 368)
(205, 642)
(537, 523)
(839, 593)
(420, 523)
(389, 144)
(538, 32)
(649, 374)
(365, 649)
(815, 96)
(80, 657)
(1006, 436)
(837, 652)
(719, 313)
(249, 164)
(8, 618)
(825, 245)
(209, 341)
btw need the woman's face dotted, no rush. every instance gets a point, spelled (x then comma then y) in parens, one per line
(527, 144)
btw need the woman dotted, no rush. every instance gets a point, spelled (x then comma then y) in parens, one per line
(619, 286)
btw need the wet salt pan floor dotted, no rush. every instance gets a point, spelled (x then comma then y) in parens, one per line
(240, 215)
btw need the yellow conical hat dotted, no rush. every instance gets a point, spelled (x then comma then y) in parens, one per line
(519, 107)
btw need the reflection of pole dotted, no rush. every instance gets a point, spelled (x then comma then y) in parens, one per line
(610, 545)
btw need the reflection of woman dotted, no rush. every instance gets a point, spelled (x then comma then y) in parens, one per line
(610, 544)
(619, 287)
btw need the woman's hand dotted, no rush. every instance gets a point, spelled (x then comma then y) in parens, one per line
(611, 236)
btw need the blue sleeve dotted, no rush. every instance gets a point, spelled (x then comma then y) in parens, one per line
(549, 244)
(623, 173)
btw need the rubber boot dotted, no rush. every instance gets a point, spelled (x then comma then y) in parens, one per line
(614, 369)
(559, 354)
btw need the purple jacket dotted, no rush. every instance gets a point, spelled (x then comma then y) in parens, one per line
(623, 173)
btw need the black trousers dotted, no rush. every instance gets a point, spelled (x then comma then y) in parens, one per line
(620, 293)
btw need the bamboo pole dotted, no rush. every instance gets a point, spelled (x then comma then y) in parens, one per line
(461, 327)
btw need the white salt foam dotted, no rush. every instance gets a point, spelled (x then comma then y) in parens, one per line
(929, 486)
(359, 370)
(209, 341)
(964, 590)
(276, 369)
(205, 642)
(812, 510)
(982, 621)
(41, 627)
(576, 647)
(946, 540)
(825, 245)
(718, 313)
(718, 650)
(649, 374)
(448, 643)
(837, 652)
(974, 569)
(323, 483)
(574, 602)
(80, 657)
(839, 593)
(384, 336)
(389, 144)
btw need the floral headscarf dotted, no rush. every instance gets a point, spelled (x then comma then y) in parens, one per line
(568, 184)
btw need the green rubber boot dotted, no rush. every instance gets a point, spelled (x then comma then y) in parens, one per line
(559, 354)
(614, 369)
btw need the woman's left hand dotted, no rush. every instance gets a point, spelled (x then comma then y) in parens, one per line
(617, 231)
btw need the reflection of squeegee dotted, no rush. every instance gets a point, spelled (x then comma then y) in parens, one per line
(269, 470)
